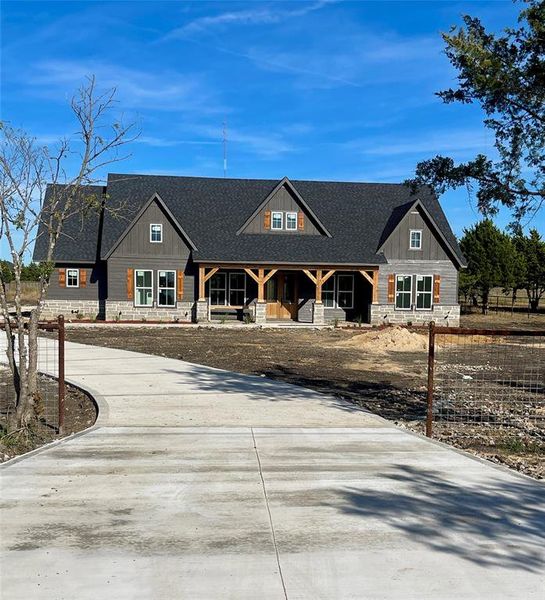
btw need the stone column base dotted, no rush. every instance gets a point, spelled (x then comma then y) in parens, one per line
(201, 311)
(260, 313)
(318, 314)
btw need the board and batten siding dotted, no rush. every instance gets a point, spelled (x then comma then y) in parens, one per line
(284, 201)
(135, 251)
(397, 245)
(444, 268)
(95, 283)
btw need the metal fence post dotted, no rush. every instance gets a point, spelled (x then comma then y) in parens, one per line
(60, 341)
(431, 365)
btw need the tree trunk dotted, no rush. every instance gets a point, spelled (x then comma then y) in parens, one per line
(534, 305)
(484, 296)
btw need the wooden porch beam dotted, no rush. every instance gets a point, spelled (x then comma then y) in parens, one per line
(252, 275)
(366, 275)
(269, 275)
(318, 286)
(310, 276)
(202, 294)
(375, 287)
(211, 273)
(261, 285)
(328, 275)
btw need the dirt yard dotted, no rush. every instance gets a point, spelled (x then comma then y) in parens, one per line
(383, 372)
(80, 414)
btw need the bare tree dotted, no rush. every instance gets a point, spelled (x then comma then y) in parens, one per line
(27, 171)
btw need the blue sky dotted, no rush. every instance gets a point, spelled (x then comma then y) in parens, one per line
(311, 90)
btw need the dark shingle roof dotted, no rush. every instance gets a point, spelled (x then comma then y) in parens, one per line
(79, 240)
(212, 210)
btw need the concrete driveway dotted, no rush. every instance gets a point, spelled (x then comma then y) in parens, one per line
(202, 484)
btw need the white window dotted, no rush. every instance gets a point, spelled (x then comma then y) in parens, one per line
(291, 221)
(166, 290)
(277, 221)
(218, 289)
(144, 288)
(237, 289)
(156, 233)
(345, 290)
(72, 278)
(328, 293)
(415, 239)
(404, 286)
(424, 285)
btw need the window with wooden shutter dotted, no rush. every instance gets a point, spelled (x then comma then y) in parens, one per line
(180, 287)
(267, 219)
(436, 289)
(83, 278)
(62, 277)
(391, 288)
(130, 284)
(300, 220)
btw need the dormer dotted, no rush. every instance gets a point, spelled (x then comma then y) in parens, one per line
(284, 212)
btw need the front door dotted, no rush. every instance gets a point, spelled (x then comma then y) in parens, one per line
(281, 296)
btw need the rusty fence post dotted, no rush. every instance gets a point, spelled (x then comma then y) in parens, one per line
(431, 366)
(60, 342)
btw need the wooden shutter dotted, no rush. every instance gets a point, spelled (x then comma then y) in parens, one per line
(300, 220)
(130, 284)
(436, 289)
(267, 219)
(83, 278)
(62, 277)
(391, 288)
(180, 287)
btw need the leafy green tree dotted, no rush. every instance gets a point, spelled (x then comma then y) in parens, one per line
(532, 250)
(505, 75)
(31, 272)
(6, 271)
(491, 258)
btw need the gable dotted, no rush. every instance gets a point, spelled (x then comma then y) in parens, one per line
(136, 240)
(433, 247)
(283, 199)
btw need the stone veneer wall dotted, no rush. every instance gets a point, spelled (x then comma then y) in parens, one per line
(126, 311)
(443, 315)
(51, 309)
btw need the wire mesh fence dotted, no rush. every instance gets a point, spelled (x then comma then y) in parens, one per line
(484, 376)
(49, 398)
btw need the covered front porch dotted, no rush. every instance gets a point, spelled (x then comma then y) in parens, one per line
(317, 294)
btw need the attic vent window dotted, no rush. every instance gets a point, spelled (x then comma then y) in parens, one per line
(415, 239)
(277, 221)
(155, 233)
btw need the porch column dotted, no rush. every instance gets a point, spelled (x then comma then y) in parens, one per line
(202, 309)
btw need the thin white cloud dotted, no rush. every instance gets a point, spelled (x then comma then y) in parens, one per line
(139, 89)
(255, 16)
(160, 142)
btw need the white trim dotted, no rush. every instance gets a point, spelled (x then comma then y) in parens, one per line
(295, 215)
(159, 288)
(396, 292)
(228, 296)
(411, 247)
(430, 293)
(77, 278)
(151, 226)
(143, 288)
(277, 212)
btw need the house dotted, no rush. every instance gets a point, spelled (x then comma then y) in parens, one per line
(193, 248)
